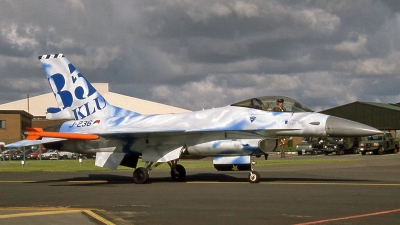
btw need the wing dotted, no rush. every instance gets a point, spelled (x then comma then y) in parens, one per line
(25, 143)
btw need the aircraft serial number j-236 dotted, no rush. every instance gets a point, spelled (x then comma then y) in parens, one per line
(231, 134)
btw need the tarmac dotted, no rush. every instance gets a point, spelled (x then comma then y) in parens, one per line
(354, 190)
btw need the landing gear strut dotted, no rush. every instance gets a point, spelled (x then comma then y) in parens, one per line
(254, 176)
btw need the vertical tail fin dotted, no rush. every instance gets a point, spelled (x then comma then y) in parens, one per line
(75, 96)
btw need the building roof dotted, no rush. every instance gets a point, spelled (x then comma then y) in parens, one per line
(21, 112)
(382, 116)
(38, 105)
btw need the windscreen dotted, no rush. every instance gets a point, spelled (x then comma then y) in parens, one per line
(272, 103)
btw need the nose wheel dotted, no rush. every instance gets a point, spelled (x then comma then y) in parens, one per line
(254, 177)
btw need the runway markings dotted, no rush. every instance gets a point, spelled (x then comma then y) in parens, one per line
(17, 181)
(97, 217)
(350, 217)
(88, 181)
(36, 214)
(53, 211)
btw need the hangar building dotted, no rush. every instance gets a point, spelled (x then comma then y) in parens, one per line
(379, 115)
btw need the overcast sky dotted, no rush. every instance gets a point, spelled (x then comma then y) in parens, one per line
(201, 54)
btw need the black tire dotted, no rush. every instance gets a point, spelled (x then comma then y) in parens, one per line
(140, 175)
(299, 153)
(380, 151)
(363, 152)
(254, 177)
(396, 149)
(179, 173)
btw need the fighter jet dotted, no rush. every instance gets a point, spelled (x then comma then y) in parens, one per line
(231, 134)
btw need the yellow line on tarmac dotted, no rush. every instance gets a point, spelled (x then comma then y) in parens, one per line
(52, 211)
(89, 181)
(99, 218)
(38, 213)
(45, 208)
(17, 181)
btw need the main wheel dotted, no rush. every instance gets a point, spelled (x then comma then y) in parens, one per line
(179, 173)
(140, 175)
(254, 177)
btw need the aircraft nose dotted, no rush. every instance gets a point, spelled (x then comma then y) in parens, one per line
(340, 127)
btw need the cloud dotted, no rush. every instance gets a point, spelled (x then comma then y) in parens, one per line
(355, 48)
(201, 54)
(373, 67)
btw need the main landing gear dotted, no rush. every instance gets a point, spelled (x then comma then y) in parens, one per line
(141, 174)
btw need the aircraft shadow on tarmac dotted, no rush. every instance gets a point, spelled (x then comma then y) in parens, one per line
(107, 179)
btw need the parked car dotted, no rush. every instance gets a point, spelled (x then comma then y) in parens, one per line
(48, 154)
(341, 146)
(10, 153)
(22, 154)
(37, 153)
(379, 144)
(64, 155)
(54, 154)
(313, 145)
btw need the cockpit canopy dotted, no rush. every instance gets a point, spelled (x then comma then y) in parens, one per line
(269, 103)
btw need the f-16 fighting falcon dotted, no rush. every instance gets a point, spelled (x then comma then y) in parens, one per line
(231, 134)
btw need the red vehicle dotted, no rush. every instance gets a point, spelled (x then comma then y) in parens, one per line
(35, 154)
